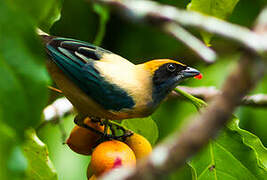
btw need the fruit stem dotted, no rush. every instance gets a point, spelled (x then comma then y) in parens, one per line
(106, 123)
(118, 125)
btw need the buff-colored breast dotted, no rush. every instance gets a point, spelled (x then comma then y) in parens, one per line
(84, 104)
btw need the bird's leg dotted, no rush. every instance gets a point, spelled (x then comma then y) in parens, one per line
(111, 127)
(79, 120)
(123, 137)
(97, 120)
(126, 132)
(105, 136)
(106, 122)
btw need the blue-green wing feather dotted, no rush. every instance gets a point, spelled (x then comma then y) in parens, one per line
(76, 59)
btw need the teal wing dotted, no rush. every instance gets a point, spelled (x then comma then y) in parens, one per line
(76, 59)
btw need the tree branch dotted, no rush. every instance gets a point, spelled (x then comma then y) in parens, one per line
(189, 40)
(146, 11)
(62, 107)
(208, 93)
(170, 28)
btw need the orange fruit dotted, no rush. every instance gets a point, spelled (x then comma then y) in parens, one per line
(140, 145)
(82, 140)
(111, 154)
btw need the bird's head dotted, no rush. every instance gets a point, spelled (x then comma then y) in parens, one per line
(166, 74)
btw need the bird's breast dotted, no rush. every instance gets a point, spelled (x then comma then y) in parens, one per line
(132, 79)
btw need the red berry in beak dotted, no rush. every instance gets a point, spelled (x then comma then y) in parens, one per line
(198, 76)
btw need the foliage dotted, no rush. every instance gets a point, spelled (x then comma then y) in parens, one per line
(23, 92)
(43, 14)
(217, 8)
(236, 153)
(40, 166)
(143, 126)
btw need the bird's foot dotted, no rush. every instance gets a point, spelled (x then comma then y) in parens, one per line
(79, 120)
(118, 126)
(122, 137)
(114, 128)
(107, 135)
(97, 120)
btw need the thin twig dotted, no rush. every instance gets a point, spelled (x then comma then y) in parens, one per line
(208, 93)
(191, 41)
(173, 29)
(152, 12)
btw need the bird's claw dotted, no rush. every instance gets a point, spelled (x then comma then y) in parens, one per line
(109, 137)
(105, 136)
(97, 120)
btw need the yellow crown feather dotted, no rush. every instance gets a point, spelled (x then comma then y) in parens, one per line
(153, 65)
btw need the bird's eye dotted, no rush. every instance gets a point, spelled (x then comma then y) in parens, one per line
(171, 67)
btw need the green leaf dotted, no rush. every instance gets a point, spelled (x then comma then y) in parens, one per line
(69, 165)
(23, 75)
(143, 126)
(252, 141)
(78, 20)
(185, 172)
(40, 166)
(17, 162)
(235, 154)
(44, 13)
(103, 19)
(198, 103)
(51, 15)
(7, 142)
(23, 91)
(217, 8)
(254, 119)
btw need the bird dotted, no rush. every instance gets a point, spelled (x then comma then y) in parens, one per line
(104, 85)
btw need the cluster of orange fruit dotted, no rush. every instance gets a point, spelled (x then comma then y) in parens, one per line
(109, 154)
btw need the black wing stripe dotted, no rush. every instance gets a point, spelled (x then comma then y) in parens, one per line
(82, 57)
(83, 49)
(89, 53)
(71, 56)
(73, 47)
(78, 44)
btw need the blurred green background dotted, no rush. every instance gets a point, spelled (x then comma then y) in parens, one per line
(139, 43)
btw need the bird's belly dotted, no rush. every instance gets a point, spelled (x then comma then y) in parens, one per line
(84, 104)
(136, 112)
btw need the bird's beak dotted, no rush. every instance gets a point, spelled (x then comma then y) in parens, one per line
(189, 72)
